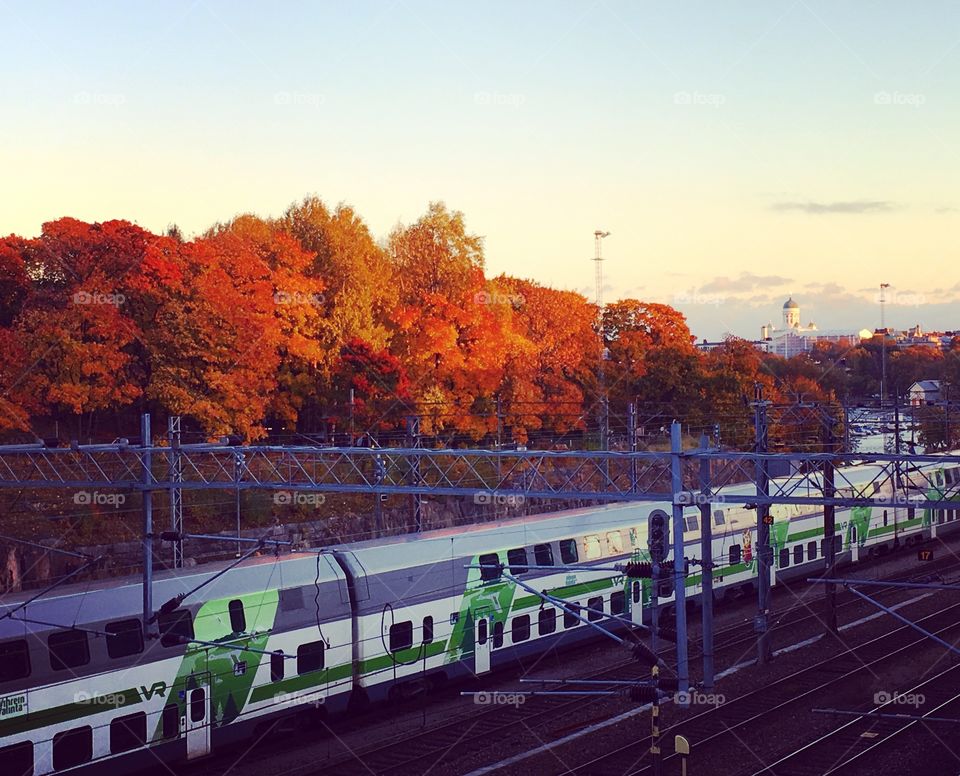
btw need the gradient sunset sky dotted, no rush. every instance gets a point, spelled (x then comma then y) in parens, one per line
(739, 152)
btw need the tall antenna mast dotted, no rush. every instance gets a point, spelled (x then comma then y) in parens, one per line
(598, 259)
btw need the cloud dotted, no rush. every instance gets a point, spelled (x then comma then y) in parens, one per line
(945, 210)
(746, 282)
(820, 208)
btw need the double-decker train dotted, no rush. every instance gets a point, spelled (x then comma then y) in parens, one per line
(332, 630)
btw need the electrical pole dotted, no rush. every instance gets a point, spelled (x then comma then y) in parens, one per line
(147, 441)
(176, 493)
(764, 551)
(413, 441)
(829, 529)
(883, 344)
(679, 581)
(706, 566)
(598, 236)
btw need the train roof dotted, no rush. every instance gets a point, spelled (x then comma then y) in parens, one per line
(121, 597)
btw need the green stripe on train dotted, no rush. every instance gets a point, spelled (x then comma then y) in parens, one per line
(68, 712)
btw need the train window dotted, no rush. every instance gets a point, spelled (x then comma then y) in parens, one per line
(401, 635)
(811, 550)
(734, 558)
(591, 547)
(615, 543)
(18, 759)
(569, 618)
(784, 558)
(543, 554)
(521, 628)
(497, 634)
(547, 621)
(618, 602)
(238, 620)
(428, 630)
(128, 732)
(798, 553)
(125, 637)
(691, 523)
(518, 560)
(636, 592)
(718, 517)
(170, 721)
(14, 660)
(491, 564)
(310, 656)
(886, 518)
(68, 649)
(72, 747)
(277, 668)
(853, 533)
(665, 588)
(482, 626)
(176, 627)
(595, 608)
(568, 551)
(198, 704)
(837, 543)
(824, 547)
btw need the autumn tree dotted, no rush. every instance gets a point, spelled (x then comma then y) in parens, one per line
(451, 336)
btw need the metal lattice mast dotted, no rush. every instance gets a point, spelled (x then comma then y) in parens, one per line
(176, 493)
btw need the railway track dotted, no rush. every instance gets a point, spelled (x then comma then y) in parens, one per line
(414, 754)
(727, 721)
(862, 737)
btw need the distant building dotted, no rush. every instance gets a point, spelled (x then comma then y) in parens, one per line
(795, 338)
(916, 337)
(924, 392)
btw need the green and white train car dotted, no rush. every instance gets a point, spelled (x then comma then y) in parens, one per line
(330, 631)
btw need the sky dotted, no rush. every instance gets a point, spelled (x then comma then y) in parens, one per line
(738, 152)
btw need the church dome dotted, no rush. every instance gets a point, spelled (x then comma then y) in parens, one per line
(790, 305)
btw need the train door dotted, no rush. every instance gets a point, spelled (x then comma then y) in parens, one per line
(636, 605)
(199, 704)
(483, 645)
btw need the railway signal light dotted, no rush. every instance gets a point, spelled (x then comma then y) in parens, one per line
(657, 535)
